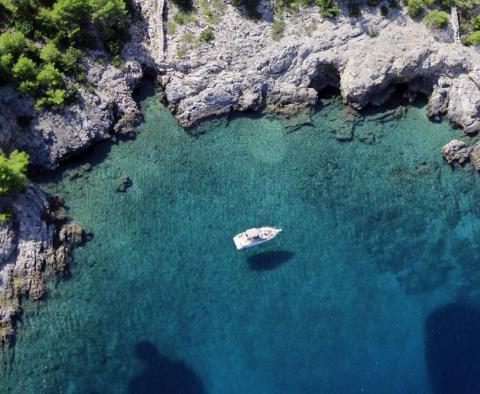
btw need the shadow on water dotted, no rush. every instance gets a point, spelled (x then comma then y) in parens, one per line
(265, 261)
(452, 335)
(162, 375)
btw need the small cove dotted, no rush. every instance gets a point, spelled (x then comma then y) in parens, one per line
(379, 252)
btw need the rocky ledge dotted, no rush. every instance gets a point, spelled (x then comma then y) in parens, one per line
(244, 68)
(34, 244)
(103, 109)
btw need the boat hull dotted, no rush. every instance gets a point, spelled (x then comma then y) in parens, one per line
(242, 241)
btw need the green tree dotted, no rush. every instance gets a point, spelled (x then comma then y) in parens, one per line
(49, 76)
(328, 8)
(13, 171)
(108, 12)
(65, 17)
(12, 42)
(436, 19)
(414, 8)
(50, 53)
(207, 35)
(24, 69)
(70, 59)
(473, 39)
(28, 87)
(476, 22)
(52, 98)
(5, 65)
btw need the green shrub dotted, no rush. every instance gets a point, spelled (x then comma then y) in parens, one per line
(24, 69)
(171, 27)
(52, 98)
(476, 22)
(188, 37)
(414, 8)
(65, 18)
(328, 8)
(49, 76)
(436, 19)
(109, 16)
(182, 52)
(13, 172)
(211, 16)
(5, 215)
(278, 27)
(207, 35)
(12, 42)
(28, 87)
(5, 65)
(473, 38)
(70, 59)
(65, 27)
(184, 18)
(50, 53)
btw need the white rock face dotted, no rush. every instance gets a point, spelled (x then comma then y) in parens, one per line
(457, 151)
(244, 68)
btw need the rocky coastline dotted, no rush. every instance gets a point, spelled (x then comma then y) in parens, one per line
(242, 69)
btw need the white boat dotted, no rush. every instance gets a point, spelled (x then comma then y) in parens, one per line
(255, 236)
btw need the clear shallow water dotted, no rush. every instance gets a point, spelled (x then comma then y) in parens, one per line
(371, 288)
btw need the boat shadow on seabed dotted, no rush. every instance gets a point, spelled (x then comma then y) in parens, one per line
(268, 260)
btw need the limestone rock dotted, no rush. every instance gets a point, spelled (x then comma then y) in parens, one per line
(52, 135)
(27, 242)
(475, 156)
(457, 151)
(246, 69)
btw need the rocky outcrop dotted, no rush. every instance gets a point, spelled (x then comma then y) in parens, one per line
(475, 156)
(365, 57)
(456, 151)
(31, 249)
(104, 109)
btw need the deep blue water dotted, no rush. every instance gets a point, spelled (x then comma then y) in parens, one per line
(371, 288)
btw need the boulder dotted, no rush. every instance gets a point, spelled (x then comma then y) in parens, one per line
(457, 151)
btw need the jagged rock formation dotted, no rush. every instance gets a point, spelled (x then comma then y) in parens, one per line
(34, 244)
(50, 136)
(456, 151)
(366, 57)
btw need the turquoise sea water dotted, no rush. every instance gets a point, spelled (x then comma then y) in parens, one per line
(371, 288)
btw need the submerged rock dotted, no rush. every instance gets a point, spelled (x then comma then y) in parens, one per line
(124, 183)
(344, 134)
(457, 151)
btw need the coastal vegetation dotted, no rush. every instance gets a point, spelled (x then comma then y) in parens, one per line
(436, 19)
(13, 176)
(278, 27)
(13, 170)
(41, 43)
